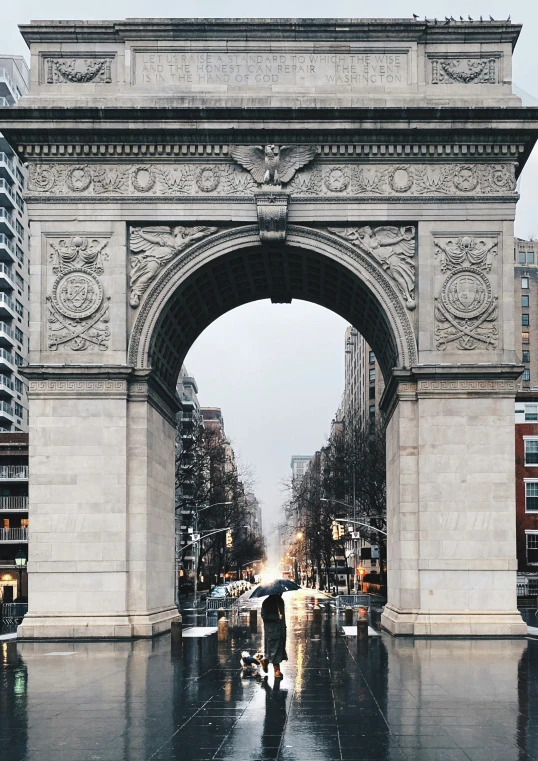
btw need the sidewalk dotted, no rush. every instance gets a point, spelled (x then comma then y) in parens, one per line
(340, 700)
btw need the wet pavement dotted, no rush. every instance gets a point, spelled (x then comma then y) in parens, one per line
(384, 700)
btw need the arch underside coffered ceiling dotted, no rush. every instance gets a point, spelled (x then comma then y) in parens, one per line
(232, 268)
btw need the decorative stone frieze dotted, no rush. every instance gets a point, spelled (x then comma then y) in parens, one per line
(466, 307)
(393, 248)
(77, 70)
(225, 179)
(465, 70)
(77, 305)
(151, 250)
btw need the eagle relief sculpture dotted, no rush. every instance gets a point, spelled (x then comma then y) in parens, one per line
(152, 248)
(272, 165)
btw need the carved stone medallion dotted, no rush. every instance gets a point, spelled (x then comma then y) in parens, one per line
(466, 178)
(466, 293)
(77, 295)
(79, 178)
(143, 179)
(207, 179)
(337, 179)
(401, 179)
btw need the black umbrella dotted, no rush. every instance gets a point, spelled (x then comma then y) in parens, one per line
(276, 587)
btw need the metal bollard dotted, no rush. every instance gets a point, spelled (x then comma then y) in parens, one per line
(176, 630)
(222, 629)
(348, 616)
(220, 613)
(362, 624)
(253, 620)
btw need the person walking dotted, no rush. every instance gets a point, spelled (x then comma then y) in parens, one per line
(274, 632)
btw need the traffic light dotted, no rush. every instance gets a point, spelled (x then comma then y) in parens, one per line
(341, 530)
(335, 530)
(229, 540)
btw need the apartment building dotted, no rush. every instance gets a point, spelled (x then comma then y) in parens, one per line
(299, 465)
(13, 515)
(526, 310)
(14, 261)
(363, 381)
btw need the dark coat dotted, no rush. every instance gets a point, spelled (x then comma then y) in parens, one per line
(274, 628)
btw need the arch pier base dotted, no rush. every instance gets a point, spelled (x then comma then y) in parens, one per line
(102, 495)
(450, 502)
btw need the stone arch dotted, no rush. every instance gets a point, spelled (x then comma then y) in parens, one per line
(232, 268)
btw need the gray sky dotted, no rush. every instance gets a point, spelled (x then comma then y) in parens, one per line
(277, 370)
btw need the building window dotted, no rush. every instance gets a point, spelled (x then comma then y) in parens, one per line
(19, 410)
(19, 335)
(371, 392)
(19, 308)
(522, 257)
(20, 254)
(525, 337)
(530, 257)
(531, 452)
(371, 357)
(526, 355)
(20, 229)
(371, 410)
(531, 412)
(18, 360)
(18, 385)
(525, 320)
(372, 375)
(524, 301)
(532, 549)
(524, 282)
(526, 374)
(531, 496)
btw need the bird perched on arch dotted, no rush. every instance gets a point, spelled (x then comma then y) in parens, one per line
(270, 165)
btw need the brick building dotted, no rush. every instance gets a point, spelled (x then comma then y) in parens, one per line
(526, 427)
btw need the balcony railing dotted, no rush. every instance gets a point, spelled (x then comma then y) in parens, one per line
(17, 503)
(6, 407)
(4, 76)
(13, 534)
(5, 382)
(5, 187)
(14, 472)
(6, 328)
(6, 243)
(7, 355)
(6, 160)
(5, 299)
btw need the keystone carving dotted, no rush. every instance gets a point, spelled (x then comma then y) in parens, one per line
(152, 248)
(393, 248)
(272, 208)
(78, 70)
(77, 306)
(271, 165)
(466, 308)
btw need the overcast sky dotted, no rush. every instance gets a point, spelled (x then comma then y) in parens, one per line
(277, 370)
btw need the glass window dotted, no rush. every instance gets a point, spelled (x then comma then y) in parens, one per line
(532, 549)
(18, 360)
(531, 497)
(526, 355)
(371, 410)
(372, 375)
(524, 282)
(525, 337)
(522, 257)
(531, 452)
(371, 358)
(19, 335)
(18, 385)
(530, 257)
(19, 308)
(526, 374)
(524, 301)
(525, 320)
(531, 412)
(19, 228)
(19, 281)
(19, 410)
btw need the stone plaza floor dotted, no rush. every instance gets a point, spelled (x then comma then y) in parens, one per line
(384, 700)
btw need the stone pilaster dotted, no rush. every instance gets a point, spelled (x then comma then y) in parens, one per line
(450, 496)
(101, 504)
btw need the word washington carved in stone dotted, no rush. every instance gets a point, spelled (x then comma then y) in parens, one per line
(259, 68)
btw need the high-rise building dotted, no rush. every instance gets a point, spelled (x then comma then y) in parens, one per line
(13, 515)
(526, 310)
(363, 381)
(299, 465)
(14, 263)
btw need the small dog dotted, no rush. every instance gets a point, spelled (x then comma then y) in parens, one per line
(250, 664)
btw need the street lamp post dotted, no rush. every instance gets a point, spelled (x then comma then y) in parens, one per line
(196, 538)
(20, 564)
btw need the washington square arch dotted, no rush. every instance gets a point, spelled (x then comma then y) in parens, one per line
(181, 168)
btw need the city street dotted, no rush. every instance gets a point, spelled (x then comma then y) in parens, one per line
(388, 699)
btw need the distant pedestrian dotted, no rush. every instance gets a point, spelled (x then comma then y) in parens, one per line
(274, 629)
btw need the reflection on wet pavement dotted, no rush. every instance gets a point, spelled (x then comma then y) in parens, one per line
(384, 700)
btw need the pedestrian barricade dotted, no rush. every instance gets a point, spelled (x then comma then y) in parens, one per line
(353, 601)
(228, 603)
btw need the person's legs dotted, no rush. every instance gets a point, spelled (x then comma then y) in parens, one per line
(278, 672)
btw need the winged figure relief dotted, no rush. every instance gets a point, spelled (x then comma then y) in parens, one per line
(270, 165)
(152, 248)
(394, 249)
